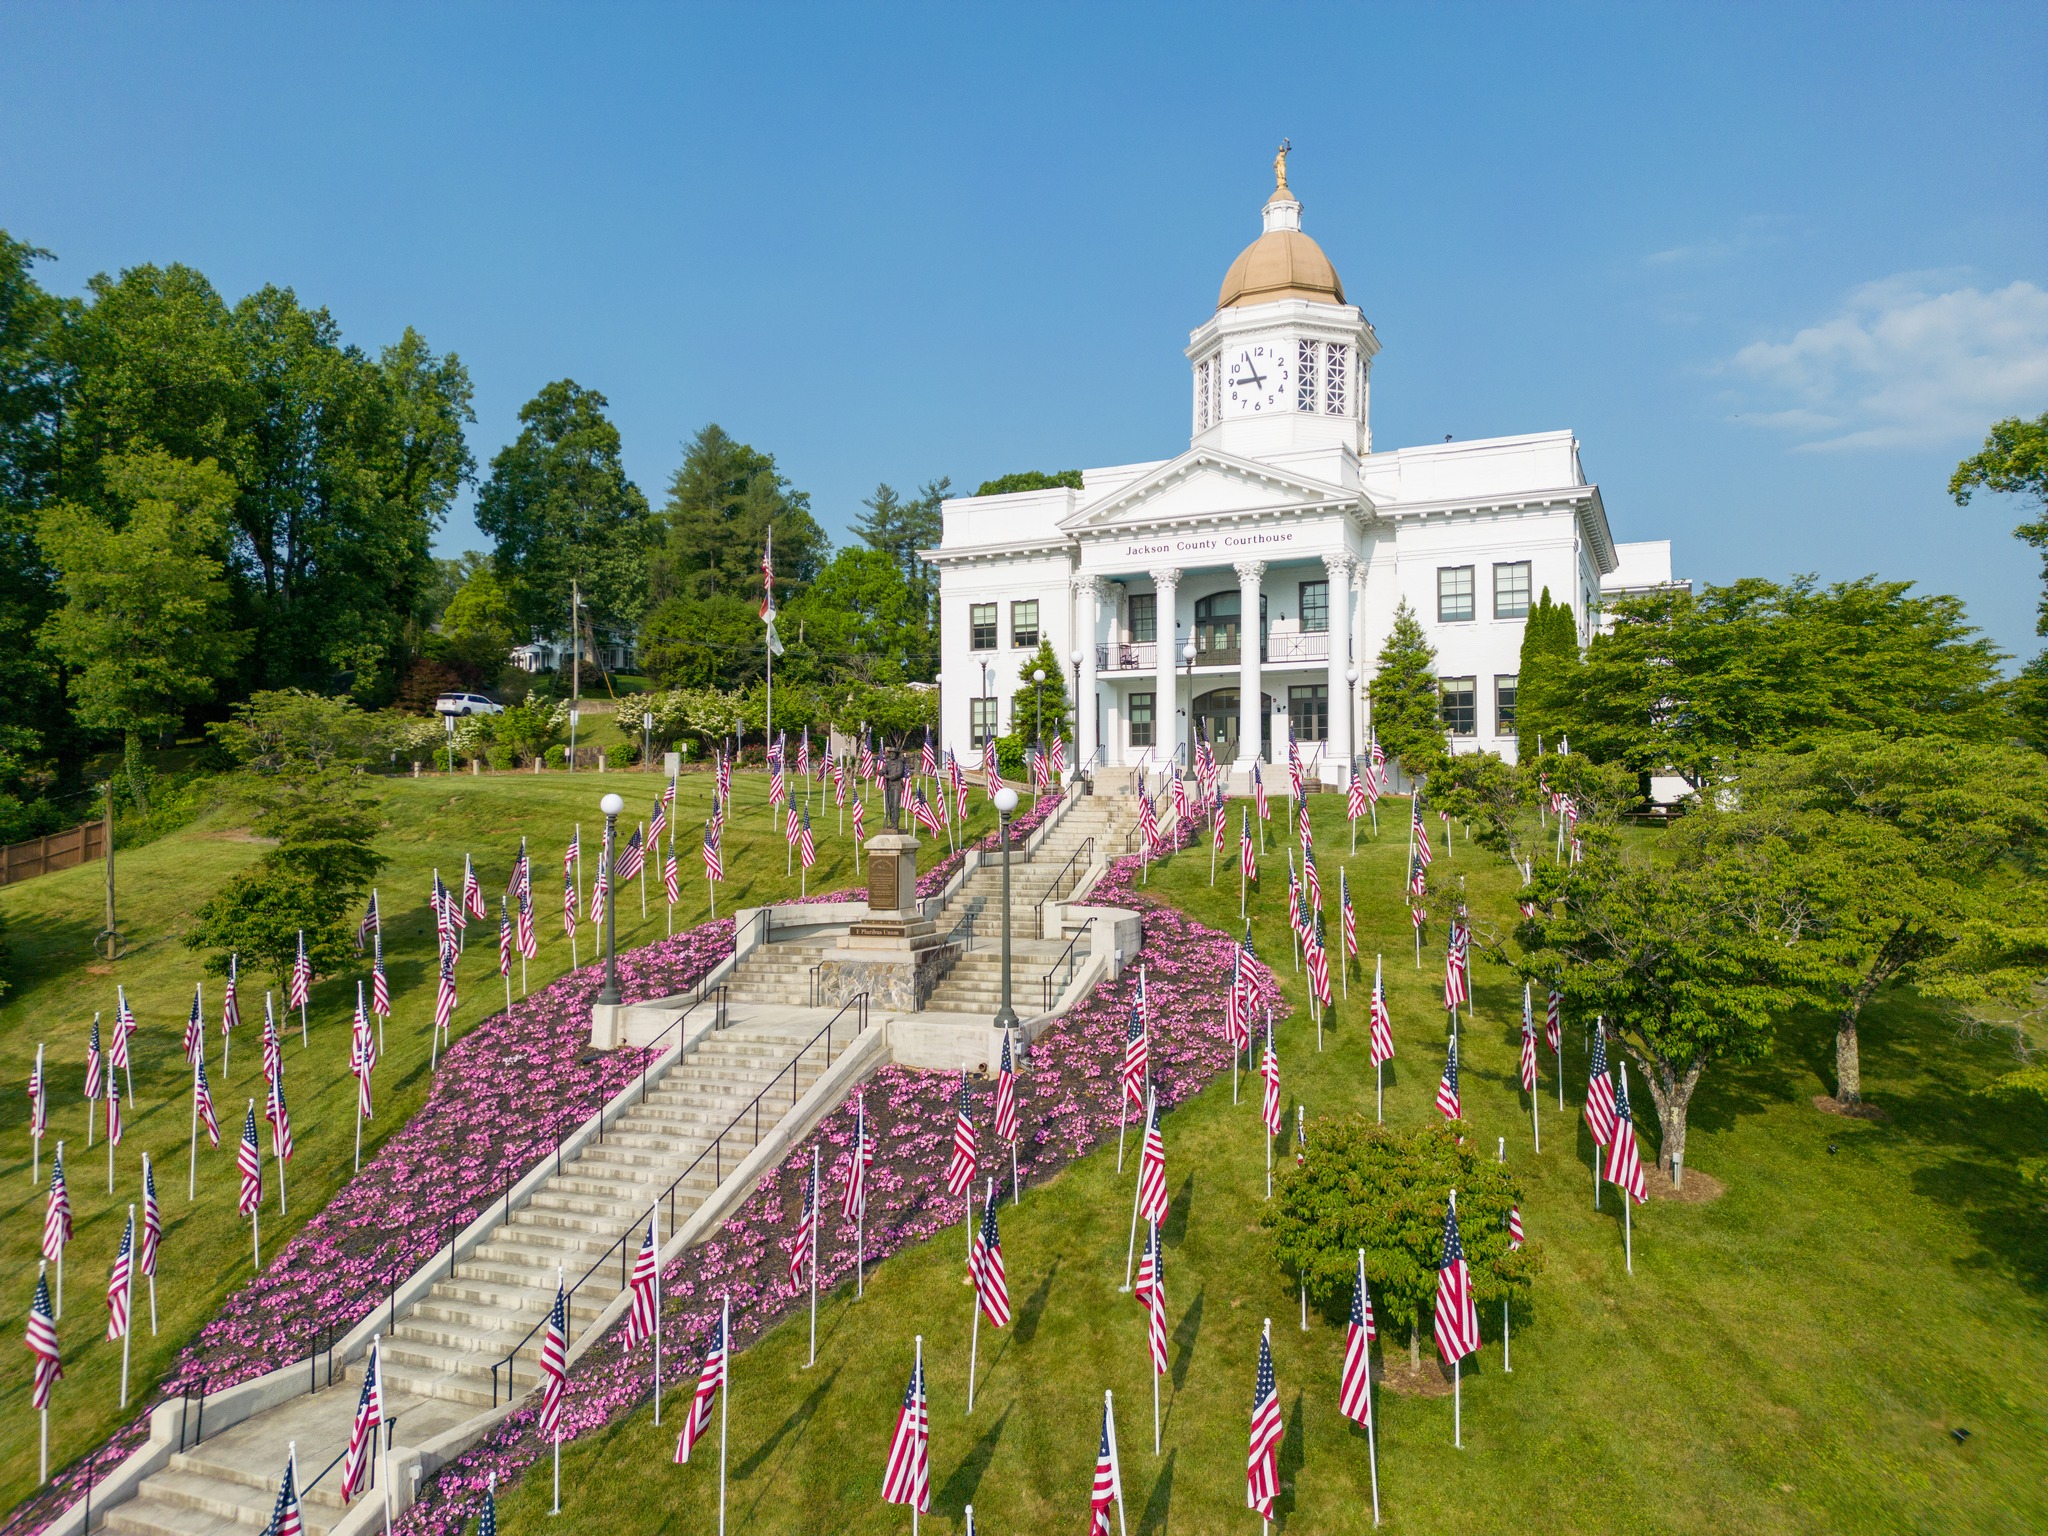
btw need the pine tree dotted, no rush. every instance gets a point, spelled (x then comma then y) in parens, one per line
(1405, 714)
(1550, 654)
(1035, 700)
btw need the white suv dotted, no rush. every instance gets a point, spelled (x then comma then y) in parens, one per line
(466, 704)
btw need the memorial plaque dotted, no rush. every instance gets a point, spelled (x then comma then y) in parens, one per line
(882, 885)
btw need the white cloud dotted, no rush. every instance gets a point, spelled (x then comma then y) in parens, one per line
(1902, 365)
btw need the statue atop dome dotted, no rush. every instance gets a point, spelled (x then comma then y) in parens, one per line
(1280, 188)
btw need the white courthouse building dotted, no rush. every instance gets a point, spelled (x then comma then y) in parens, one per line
(1244, 587)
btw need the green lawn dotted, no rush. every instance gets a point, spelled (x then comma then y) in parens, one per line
(1791, 1357)
(57, 984)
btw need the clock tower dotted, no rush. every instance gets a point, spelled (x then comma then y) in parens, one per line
(1284, 365)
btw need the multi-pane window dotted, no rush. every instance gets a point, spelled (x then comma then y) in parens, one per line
(981, 619)
(1458, 702)
(981, 720)
(1144, 618)
(1336, 371)
(1306, 376)
(1315, 607)
(1138, 710)
(1024, 625)
(1511, 590)
(1308, 711)
(1453, 594)
(1504, 703)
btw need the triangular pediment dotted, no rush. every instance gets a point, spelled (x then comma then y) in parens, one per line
(1203, 483)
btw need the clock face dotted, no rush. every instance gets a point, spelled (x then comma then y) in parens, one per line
(1257, 377)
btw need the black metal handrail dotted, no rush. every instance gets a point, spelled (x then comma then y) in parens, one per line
(1070, 960)
(185, 1396)
(1084, 853)
(967, 923)
(389, 1430)
(715, 1151)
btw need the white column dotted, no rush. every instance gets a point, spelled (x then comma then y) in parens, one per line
(1365, 662)
(1250, 716)
(1165, 735)
(1339, 567)
(1087, 628)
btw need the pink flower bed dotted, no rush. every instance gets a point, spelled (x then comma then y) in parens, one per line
(1068, 1102)
(503, 1095)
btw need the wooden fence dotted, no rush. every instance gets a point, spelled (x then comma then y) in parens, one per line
(60, 850)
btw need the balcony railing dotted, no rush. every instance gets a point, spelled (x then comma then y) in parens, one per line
(1278, 650)
(1127, 657)
(1314, 646)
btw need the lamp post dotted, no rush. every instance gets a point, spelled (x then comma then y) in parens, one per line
(1187, 654)
(608, 994)
(1038, 703)
(1075, 657)
(1006, 802)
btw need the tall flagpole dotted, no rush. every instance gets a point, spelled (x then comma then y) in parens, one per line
(128, 1323)
(724, 1407)
(654, 1220)
(974, 1325)
(817, 1219)
(1372, 1449)
(192, 1168)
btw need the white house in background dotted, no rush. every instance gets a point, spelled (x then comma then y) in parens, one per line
(549, 655)
(1242, 589)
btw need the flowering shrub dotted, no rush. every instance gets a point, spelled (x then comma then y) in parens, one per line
(1068, 1103)
(505, 1093)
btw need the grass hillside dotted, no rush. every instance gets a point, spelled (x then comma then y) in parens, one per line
(58, 984)
(1790, 1357)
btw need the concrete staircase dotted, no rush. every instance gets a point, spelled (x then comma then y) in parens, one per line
(438, 1359)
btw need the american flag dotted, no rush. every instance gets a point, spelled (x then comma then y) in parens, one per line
(986, 1266)
(1311, 879)
(202, 1101)
(473, 891)
(1354, 1392)
(807, 847)
(776, 783)
(92, 1060)
(1180, 804)
(714, 863)
(1528, 1048)
(724, 776)
(487, 1522)
(1269, 1069)
(1461, 947)
(641, 1319)
(302, 977)
(280, 1123)
(1219, 821)
(803, 755)
(572, 853)
(569, 904)
(1354, 799)
(113, 1109)
(1599, 1091)
(1420, 833)
(446, 917)
(960, 1167)
(1006, 1096)
(790, 824)
(1148, 822)
(273, 1057)
(657, 823)
(230, 1010)
(249, 1159)
(1294, 776)
(838, 781)
(152, 1219)
(634, 855)
(504, 938)
(1259, 795)
(1318, 961)
(855, 1199)
(124, 1026)
(1382, 1022)
(1350, 916)
(554, 1364)
(362, 1057)
(1455, 993)
(1151, 1293)
(1416, 885)
(1624, 1162)
(1236, 1011)
(925, 816)
(444, 993)
(1059, 753)
(1305, 832)
(709, 1380)
(285, 1518)
(1515, 1236)
(1456, 1323)
(768, 577)
(1134, 1063)
(928, 759)
(42, 1343)
(1247, 855)
(806, 1231)
(57, 1214)
(1447, 1085)
(1041, 770)
(959, 787)
(121, 1281)
(362, 1435)
(195, 1032)
(1152, 1199)
(380, 984)
(991, 771)
(671, 874)
(38, 1099)
(1553, 1025)
(907, 1479)
(1262, 1467)
(600, 889)
(1109, 1481)
(860, 816)
(1293, 896)
(369, 925)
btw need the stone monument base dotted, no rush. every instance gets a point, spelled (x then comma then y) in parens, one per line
(892, 954)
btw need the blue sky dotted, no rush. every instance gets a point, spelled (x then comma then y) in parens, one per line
(1777, 266)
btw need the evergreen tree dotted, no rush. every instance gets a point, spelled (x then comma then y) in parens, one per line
(899, 529)
(1550, 653)
(1036, 702)
(722, 501)
(1405, 716)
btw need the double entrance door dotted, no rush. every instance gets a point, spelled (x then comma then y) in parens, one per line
(1215, 719)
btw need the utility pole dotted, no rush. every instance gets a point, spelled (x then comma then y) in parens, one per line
(575, 645)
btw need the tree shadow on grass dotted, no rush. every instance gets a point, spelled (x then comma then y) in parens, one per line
(1152, 1519)
(960, 1488)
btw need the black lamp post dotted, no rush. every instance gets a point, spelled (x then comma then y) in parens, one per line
(608, 994)
(1006, 802)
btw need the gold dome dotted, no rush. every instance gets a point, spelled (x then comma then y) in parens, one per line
(1283, 263)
